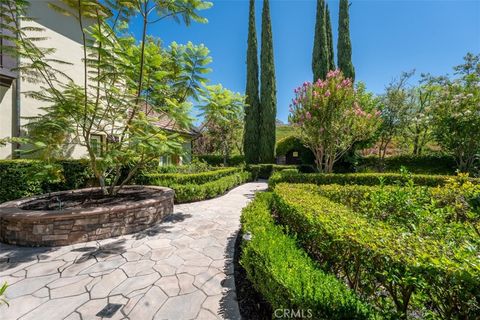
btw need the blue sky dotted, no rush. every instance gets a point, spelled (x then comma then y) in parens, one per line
(388, 37)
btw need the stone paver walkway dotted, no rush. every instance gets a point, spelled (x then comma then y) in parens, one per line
(179, 269)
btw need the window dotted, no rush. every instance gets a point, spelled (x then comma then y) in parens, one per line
(97, 144)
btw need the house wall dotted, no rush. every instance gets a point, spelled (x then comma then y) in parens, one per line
(7, 103)
(62, 33)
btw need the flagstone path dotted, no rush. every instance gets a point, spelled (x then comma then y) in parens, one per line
(179, 269)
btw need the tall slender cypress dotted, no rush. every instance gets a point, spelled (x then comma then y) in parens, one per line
(268, 91)
(331, 55)
(320, 65)
(344, 46)
(252, 111)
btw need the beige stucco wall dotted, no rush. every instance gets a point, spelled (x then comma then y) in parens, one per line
(63, 34)
(6, 118)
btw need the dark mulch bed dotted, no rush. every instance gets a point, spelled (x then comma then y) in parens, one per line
(251, 303)
(88, 199)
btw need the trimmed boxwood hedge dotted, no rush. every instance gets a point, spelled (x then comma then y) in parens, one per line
(425, 275)
(217, 160)
(190, 192)
(426, 164)
(182, 178)
(265, 170)
(285, 275)
(16, 179)
(369, 179)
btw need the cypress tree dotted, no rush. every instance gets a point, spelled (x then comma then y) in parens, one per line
(331, 56)
(320, 44)
(252, 111)
(268, 91)
(344, 46)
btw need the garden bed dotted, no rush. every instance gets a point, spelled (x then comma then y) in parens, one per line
(68, 217)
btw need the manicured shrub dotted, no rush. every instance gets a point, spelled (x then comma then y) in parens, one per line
(196, 192)
(181, 178)
(426, 164)
(265, 170)
(293, 143)
(402, 272)
(370, 179)
(217, 160)
(20, 178)
(284, 274)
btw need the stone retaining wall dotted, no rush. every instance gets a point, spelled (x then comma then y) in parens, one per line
(63, 227)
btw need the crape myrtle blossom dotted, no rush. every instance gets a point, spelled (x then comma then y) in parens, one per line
(330, 118)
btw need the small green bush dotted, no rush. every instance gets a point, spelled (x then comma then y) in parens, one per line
(401, 271)
(369, 179)
(265, 170)
(286, 276)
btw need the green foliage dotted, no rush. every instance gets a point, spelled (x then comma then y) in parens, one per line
(286, 276)
(386, 252)
(121, 80)
(321, 50)
(425, 164)
(457, 116)
(167, 179)
(331, 55)
(265, 170)
(368, 179)
(217, 160)
(290, 143)
(330, 118)
(268, 91)
(344, 46)
(20, 178)
(3, 289)
(196, 192)
(223, 114)
(252, 110)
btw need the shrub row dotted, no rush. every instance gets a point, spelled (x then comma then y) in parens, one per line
(196, 192)
(217, 160)
(19, 178)
(369, 179)
(286, 276)
(401, 272)
(182, 178)
(265, 170)
(426, 164)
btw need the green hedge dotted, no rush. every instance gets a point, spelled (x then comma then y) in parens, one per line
(427, 164)
(17, 178)
(424, 275)
(196, 192)
(286, 276)
(369, 179)
(182, 178)
(217, 160)
(264, 171)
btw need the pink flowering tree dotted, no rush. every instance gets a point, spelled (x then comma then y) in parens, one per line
(330, 118)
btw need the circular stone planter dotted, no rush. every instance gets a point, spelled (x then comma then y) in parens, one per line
(26, 227)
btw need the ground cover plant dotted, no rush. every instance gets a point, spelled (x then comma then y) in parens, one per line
(412, 251)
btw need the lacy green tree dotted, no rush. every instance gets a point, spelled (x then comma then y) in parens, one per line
(330, 118)
(456, 120)
(252, 111)
(223, 112)
(320, 56)
(113, 98)
(331, 55)
(344, 45)
(268, 92)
